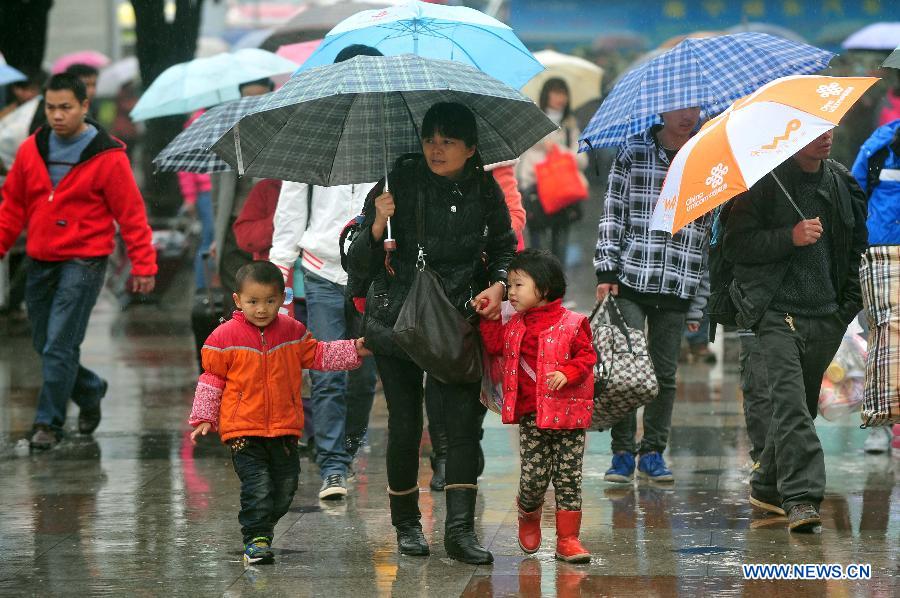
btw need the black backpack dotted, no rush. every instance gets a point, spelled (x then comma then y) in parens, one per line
(721, 308)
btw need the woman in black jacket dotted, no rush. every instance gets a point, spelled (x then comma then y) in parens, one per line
(469, 243)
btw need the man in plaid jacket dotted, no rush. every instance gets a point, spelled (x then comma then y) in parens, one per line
(658, 279)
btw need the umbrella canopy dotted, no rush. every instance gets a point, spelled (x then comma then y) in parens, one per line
(771, 29)
(318, 19)
(252, 39)
(9, 74)
(204, 82)
(343, 123)
(299, 53)
(117, 74)
(190, 150)
(88, 57)
(709, 73)
(878, 36)
(893, 61)
(435, 31)
(582, 76)
(751, 138)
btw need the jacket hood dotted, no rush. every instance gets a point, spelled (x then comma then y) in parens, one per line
(882, 137)
(102, 142)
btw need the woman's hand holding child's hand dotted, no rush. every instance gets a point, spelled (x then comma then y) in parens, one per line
(361, 347)
(201, 430)
(556, 380)
(487, 302)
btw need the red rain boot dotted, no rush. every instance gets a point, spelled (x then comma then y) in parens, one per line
(568, 548)
(529, 529)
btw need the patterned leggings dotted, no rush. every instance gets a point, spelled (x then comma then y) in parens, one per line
(546, 455)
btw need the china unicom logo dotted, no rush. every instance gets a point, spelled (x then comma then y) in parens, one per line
(832, 89)
(717, 175)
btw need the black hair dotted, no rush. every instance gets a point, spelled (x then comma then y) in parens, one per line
(265, 82)
(545, 270)
(63, 81)
(36, 78)
(456, 121)
(555, 84)
(355, 50)
(260, 272)
(82, 70)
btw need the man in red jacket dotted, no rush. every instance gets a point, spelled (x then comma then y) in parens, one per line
(69, 186)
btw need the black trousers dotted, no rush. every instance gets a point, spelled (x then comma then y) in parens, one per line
(403, 383)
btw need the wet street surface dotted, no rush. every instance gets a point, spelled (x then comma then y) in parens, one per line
(137, 509)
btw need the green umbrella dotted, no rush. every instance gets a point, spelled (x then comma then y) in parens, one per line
(893, 61)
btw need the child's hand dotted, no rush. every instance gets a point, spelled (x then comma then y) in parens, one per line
(556, 380)
(361, 347)
(201, 430)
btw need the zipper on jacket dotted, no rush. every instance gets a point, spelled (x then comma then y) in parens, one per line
(262, 334)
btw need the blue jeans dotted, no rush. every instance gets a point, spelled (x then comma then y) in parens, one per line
(60, 297)
(269, 470)
(333, 392)
(207, 233)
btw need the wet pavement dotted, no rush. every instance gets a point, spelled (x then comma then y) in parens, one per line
(137, 509)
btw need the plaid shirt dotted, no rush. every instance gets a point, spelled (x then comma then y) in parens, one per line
(627, 250)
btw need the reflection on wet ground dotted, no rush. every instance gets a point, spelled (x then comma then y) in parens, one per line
(137, 509)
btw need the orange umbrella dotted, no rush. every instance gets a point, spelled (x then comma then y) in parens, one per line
(747, 141)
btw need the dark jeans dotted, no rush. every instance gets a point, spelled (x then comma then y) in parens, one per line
(335, 395)
(60, 297)
(462, 411)
(556, 236)
(664, 330)
(792, 464)
(207, 233)
(755, 387)
(269, 470)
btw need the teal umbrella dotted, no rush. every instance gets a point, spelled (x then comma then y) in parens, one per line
(205, 82)
(893, 61)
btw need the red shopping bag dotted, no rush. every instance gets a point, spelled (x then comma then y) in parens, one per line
(559, 182)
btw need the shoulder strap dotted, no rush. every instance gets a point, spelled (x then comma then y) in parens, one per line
(309, 194)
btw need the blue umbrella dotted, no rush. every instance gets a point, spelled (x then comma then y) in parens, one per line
(710, 73)
(452, 33)
(205, 82)
(10, 75)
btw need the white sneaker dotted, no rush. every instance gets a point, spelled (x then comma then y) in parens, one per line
(878, 441)
(333, 487)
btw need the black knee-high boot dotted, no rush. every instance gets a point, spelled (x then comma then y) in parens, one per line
(460, 540)
(405, 517)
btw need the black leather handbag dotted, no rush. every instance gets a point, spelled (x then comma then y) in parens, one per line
(431, 330)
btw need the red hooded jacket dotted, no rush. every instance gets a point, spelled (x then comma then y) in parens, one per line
(77, 218)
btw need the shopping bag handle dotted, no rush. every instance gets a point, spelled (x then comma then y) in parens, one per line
(613, 315)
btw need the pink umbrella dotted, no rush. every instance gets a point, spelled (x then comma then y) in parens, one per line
(88, 57)
(299, 52)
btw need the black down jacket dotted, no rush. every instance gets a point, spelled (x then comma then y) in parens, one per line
(469, 243)
(758, 240)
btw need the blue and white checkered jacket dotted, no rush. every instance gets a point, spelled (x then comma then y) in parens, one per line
(628, 251)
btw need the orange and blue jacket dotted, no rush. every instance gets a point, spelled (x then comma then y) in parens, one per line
(252, 376)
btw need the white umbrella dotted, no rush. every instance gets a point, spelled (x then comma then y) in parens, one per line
(114, 76)
(880, 36)
(582, 76)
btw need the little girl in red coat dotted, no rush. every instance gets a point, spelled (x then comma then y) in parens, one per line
(548, 389)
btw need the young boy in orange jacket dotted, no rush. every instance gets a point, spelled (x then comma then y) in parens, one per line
(249, 393)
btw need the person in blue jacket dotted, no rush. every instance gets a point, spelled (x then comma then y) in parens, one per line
(877, 170)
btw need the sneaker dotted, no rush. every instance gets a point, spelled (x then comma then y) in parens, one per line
(878, 441)
(43, 438)
(333, 487)
(622, 470)
(766, 503)
(652, 466)
(803, 518)
(259, 552)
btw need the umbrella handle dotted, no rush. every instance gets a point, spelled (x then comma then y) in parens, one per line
(390, 244)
